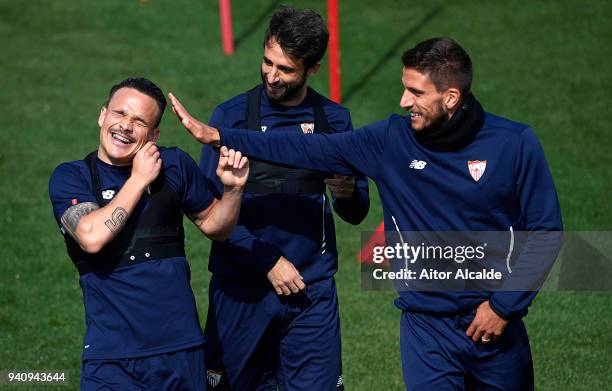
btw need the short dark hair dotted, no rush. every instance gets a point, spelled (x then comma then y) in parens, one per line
(446, 63)
(301, 34)
(145, 86)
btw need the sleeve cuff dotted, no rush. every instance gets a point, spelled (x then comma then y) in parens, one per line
(494, 306)
(220, 131)
(267, 256)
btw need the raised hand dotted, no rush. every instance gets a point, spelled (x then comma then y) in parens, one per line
(147, 163)
(200, 131)
(233, 168)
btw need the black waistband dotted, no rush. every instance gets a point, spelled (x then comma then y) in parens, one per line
(136, 256)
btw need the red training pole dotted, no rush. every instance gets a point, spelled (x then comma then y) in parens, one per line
(227, 35)
(334, 51)
(377, 239)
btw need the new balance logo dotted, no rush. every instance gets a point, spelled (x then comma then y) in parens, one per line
(418, 164)
(108, 194)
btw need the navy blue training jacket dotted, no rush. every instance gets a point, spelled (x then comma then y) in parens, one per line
(516, 189)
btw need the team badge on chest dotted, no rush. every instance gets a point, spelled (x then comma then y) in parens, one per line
(213, 377)
(477, 168)
(307, 128)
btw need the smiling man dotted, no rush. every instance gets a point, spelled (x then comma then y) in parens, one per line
(275, 272)
(446, 166)
(121, 213)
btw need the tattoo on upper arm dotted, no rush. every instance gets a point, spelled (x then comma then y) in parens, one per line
(70, 219)
(118, 217)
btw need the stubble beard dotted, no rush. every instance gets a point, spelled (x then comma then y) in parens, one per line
(438, 119)
(292, 90)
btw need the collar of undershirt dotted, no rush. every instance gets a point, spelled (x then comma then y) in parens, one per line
(459, 131)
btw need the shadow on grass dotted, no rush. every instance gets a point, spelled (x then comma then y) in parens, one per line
(390, 53)
(262, 18)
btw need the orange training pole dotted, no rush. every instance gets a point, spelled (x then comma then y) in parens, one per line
(377, 239)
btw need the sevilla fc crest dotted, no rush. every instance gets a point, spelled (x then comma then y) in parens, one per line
(213, 378)
(477, 168)
(307, 128)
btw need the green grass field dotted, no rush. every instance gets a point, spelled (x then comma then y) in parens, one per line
(539, 62)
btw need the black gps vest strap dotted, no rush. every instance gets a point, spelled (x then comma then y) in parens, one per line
(321, 124)
(156, 233)
(267, 178)
(91, 161)
(253, 110)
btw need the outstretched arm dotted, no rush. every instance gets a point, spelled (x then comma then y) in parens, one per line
(93, 227)
(351, 153)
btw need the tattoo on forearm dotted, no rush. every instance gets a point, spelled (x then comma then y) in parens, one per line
(118, 217)
(70, 219)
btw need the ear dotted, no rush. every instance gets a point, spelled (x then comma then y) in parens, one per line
(102, 116)
(314, 69)
(452, 97)
(154, 135)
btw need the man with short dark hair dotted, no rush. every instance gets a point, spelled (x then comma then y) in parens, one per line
(447, 166)
(273, 315)
(121, 213)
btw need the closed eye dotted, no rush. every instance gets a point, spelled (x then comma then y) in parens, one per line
(415, 91)
(286, 69)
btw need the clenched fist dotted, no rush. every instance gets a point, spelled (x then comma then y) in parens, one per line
(147, 163)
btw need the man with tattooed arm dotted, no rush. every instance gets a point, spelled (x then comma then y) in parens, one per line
(121, 213)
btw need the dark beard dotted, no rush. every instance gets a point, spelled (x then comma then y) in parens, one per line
(438, 122)
(291, 90)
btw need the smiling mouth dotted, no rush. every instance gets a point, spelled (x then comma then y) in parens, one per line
(414, 115)
(274, 88)
(122, 138)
